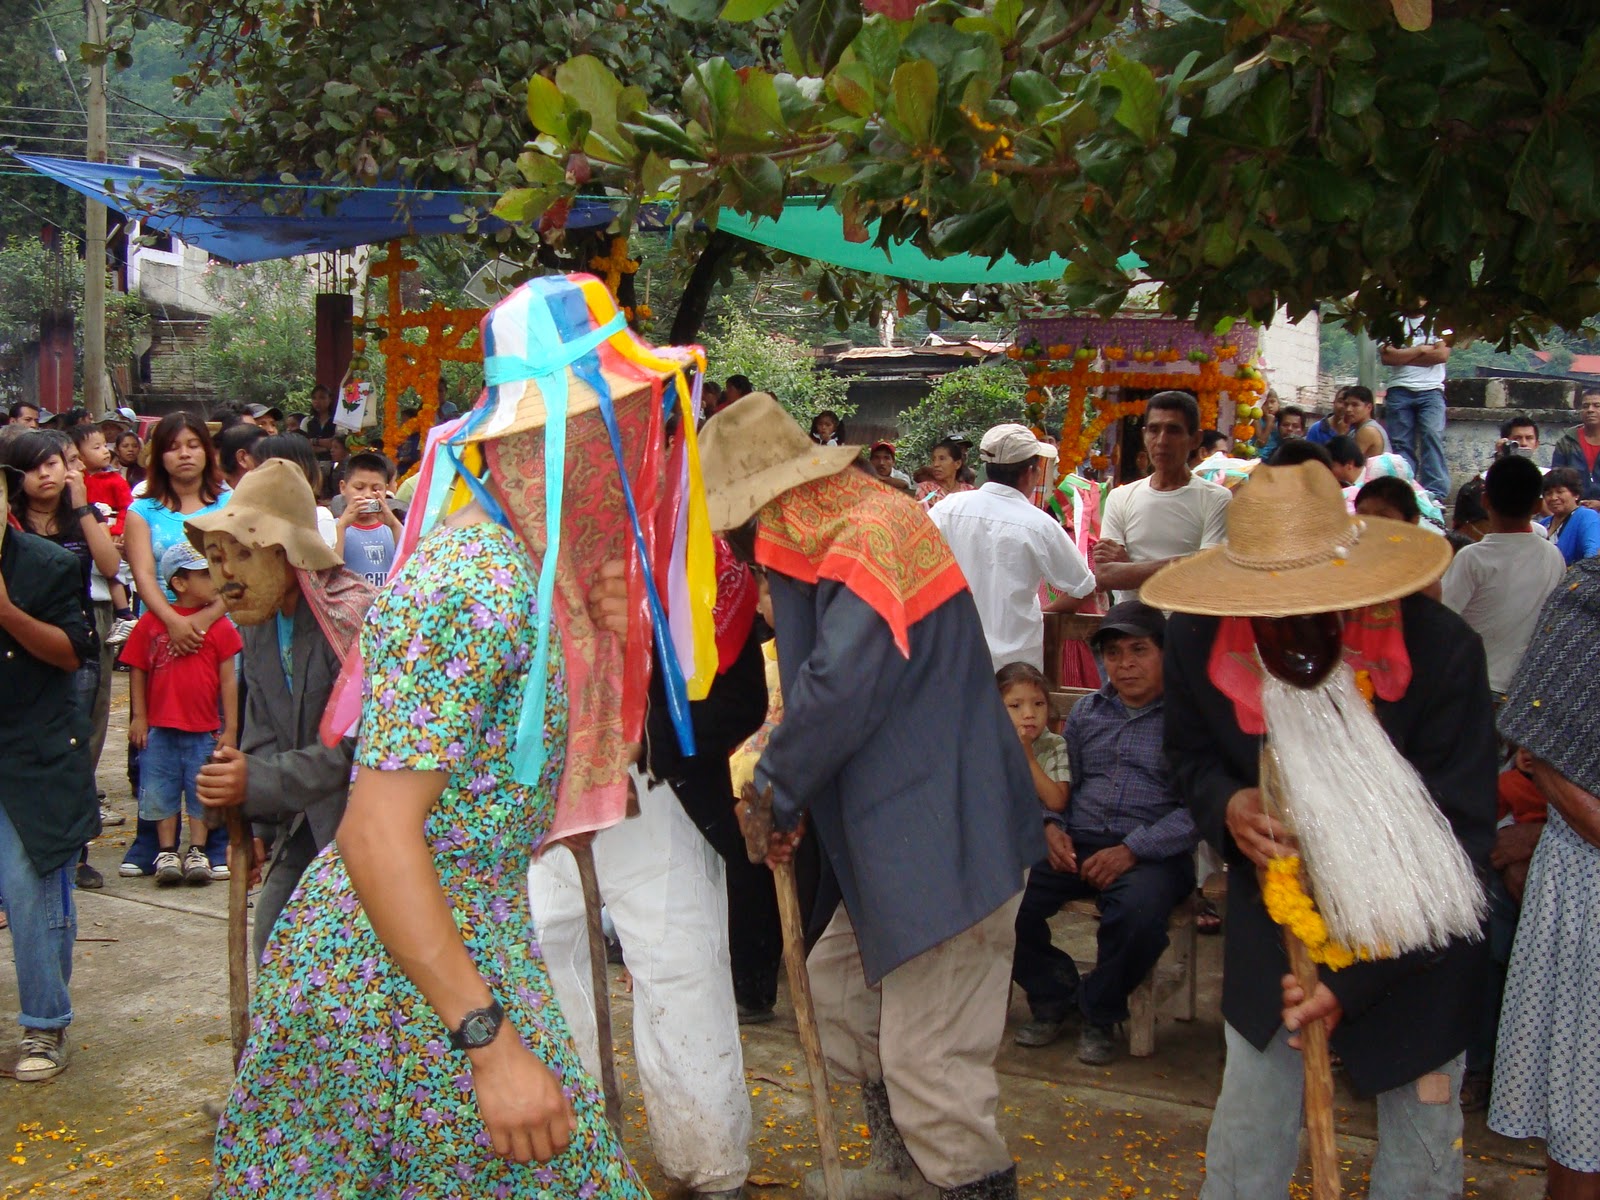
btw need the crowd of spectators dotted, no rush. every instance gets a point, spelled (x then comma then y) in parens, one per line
(96, 517)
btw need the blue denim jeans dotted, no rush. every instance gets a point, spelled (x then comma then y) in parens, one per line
(1418, 417)
(44, 924)
(1254, 1143)
(167, 771)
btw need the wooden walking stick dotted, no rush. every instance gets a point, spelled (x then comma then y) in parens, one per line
(1313, 1036)
(1302, 651)
(756, 823)
(583, 852)
(239, 931)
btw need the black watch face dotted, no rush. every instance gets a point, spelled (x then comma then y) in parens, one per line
(479, 1028)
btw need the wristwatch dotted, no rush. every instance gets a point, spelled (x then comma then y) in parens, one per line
(478, 1028)
(85, 510)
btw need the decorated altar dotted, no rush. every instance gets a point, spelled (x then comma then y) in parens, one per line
(1100, 360)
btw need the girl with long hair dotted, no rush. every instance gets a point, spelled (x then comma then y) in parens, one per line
(183, 481)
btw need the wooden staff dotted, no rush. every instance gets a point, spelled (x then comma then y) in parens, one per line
(756, 823)
(241, 866)
(1314, 1035)
(583, 852)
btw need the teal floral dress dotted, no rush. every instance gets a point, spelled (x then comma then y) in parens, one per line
(348, 1087)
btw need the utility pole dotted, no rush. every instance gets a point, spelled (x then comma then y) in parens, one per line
(94, 241)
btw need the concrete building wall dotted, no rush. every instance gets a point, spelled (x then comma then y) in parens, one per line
(1292, 354)
(1475, 409)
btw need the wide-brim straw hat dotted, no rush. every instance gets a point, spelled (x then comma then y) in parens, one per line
(272, 506)
(1294, 549)
(753, 451)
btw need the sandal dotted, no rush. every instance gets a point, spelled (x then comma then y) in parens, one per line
(1207, 919)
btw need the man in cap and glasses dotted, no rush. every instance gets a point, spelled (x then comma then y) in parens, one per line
(924, 809)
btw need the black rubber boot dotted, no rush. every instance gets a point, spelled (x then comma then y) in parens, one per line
(890, 1173)
(1002, 1185)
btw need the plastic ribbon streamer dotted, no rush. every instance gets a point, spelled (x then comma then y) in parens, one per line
(700, 557)
(588, 369)
(548, 371)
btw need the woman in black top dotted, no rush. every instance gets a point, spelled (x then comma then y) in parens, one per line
(52, 502)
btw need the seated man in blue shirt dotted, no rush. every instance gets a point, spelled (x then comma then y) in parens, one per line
(1125, 840)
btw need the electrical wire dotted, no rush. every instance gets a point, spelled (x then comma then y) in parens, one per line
(61, 58)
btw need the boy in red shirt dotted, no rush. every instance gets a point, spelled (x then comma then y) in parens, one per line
(174, 718)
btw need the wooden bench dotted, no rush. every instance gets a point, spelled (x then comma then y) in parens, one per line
(1176, 974)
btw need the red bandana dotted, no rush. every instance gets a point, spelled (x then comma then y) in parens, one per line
(1373, 642)
(872, 538)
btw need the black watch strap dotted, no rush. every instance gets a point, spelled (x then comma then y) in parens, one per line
(479, 1027)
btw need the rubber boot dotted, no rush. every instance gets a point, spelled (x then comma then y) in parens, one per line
(1002, 1185)
(890, 1173)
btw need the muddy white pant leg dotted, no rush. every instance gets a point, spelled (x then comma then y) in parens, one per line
(663, 886)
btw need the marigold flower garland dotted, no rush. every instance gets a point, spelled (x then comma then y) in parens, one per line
(1289, 905)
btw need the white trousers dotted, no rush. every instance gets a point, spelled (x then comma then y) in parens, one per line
(663, 887)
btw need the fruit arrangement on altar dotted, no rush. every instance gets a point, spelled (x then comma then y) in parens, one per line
(1136, 354)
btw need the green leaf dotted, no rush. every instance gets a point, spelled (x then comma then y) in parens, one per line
(524, 204)
(852, 89)
(335, 90)
(916, 91)
(654, 132)
(1413, 15)
(1139, 104)
(595, 90)
(824, 28)
(1033, 91)
(702, 11)
(1353, 91)
(540, 168)
(877, 47)
(760, 185)
(748, 10)
(546, 108)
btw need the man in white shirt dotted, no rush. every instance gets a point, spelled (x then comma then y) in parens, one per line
(1169, 514)
(1413, 405)
(1500, 583)
(1006, 547)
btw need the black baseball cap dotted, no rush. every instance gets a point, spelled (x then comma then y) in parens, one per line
(1131, 618)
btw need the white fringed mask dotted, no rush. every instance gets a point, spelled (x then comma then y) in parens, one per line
(1385, 869)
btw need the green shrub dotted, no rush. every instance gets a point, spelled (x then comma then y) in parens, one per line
(780, 366)
(967, 401)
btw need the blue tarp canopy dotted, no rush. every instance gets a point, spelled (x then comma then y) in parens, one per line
(227, 220)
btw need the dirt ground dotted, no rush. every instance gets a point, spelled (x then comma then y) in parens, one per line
(150, 1046)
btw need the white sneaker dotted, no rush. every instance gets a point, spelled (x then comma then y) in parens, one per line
(44, 1055)
(110, 817)
(120, 629)
(130, 870)
(220, 872)
(169, 868)
(196, 867)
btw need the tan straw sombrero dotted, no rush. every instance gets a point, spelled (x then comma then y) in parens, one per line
(272, 506)
(1293, 548)
(753, 451)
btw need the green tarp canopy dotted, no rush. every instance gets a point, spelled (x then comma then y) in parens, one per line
(818, 233)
